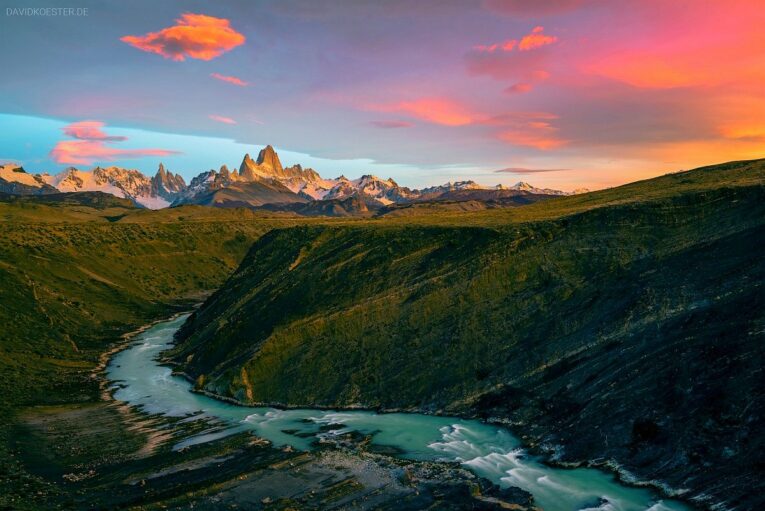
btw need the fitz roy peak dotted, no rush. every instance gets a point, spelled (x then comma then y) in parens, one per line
(263, 182)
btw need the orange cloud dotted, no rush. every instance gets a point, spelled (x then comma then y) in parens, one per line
(435, 110)
(688, 154)
(196, 36)
(230, 79)
(741, 118)
(91, 146)
(536, 39)
(528, 42)
(220, 118)
(744, 131)
(89, 130)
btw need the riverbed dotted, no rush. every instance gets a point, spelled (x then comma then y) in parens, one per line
(488, 450)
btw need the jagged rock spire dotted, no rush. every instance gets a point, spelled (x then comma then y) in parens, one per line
(246, 169)
(267, 165)
(268, 158)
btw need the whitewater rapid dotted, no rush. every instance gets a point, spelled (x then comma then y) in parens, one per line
(488, 450)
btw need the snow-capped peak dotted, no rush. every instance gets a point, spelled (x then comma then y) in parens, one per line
(126, 183)
(451, 187)
(14, 173)
(165, 188)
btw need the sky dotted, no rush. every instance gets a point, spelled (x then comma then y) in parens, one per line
(560, 93)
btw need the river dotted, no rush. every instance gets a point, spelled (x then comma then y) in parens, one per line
(488, 450)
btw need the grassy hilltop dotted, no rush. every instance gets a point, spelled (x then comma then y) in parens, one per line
(625, 324)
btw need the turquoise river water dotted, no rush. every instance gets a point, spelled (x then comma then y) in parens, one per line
(488, 450)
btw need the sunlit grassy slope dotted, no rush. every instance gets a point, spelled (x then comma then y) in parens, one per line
(624, 323)
(91, 265)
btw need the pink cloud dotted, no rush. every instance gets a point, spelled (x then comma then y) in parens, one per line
(230, 79)
(531, 139)
(445, 112)
(536, 39)
(220, 118)
(522, 128)
(391, 124)
(195, 36)
(669, 68)
(516, 118)
(89, 130)
(91, 146)
(715, 46)
(87, 152)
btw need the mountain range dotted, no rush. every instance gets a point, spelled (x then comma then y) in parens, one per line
(262, 183)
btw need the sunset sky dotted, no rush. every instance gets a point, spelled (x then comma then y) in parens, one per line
(560, 93)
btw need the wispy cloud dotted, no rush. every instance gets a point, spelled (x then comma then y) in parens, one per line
(491, 48)
(230, 79)
(520, 128)
(521, 170)
(391, 124)
(446, 112)
(224, 120)
(195, 36)
(92, 146)
(539, 134)
(89, 130)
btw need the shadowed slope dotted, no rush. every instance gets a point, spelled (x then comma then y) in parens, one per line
(593, 317)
